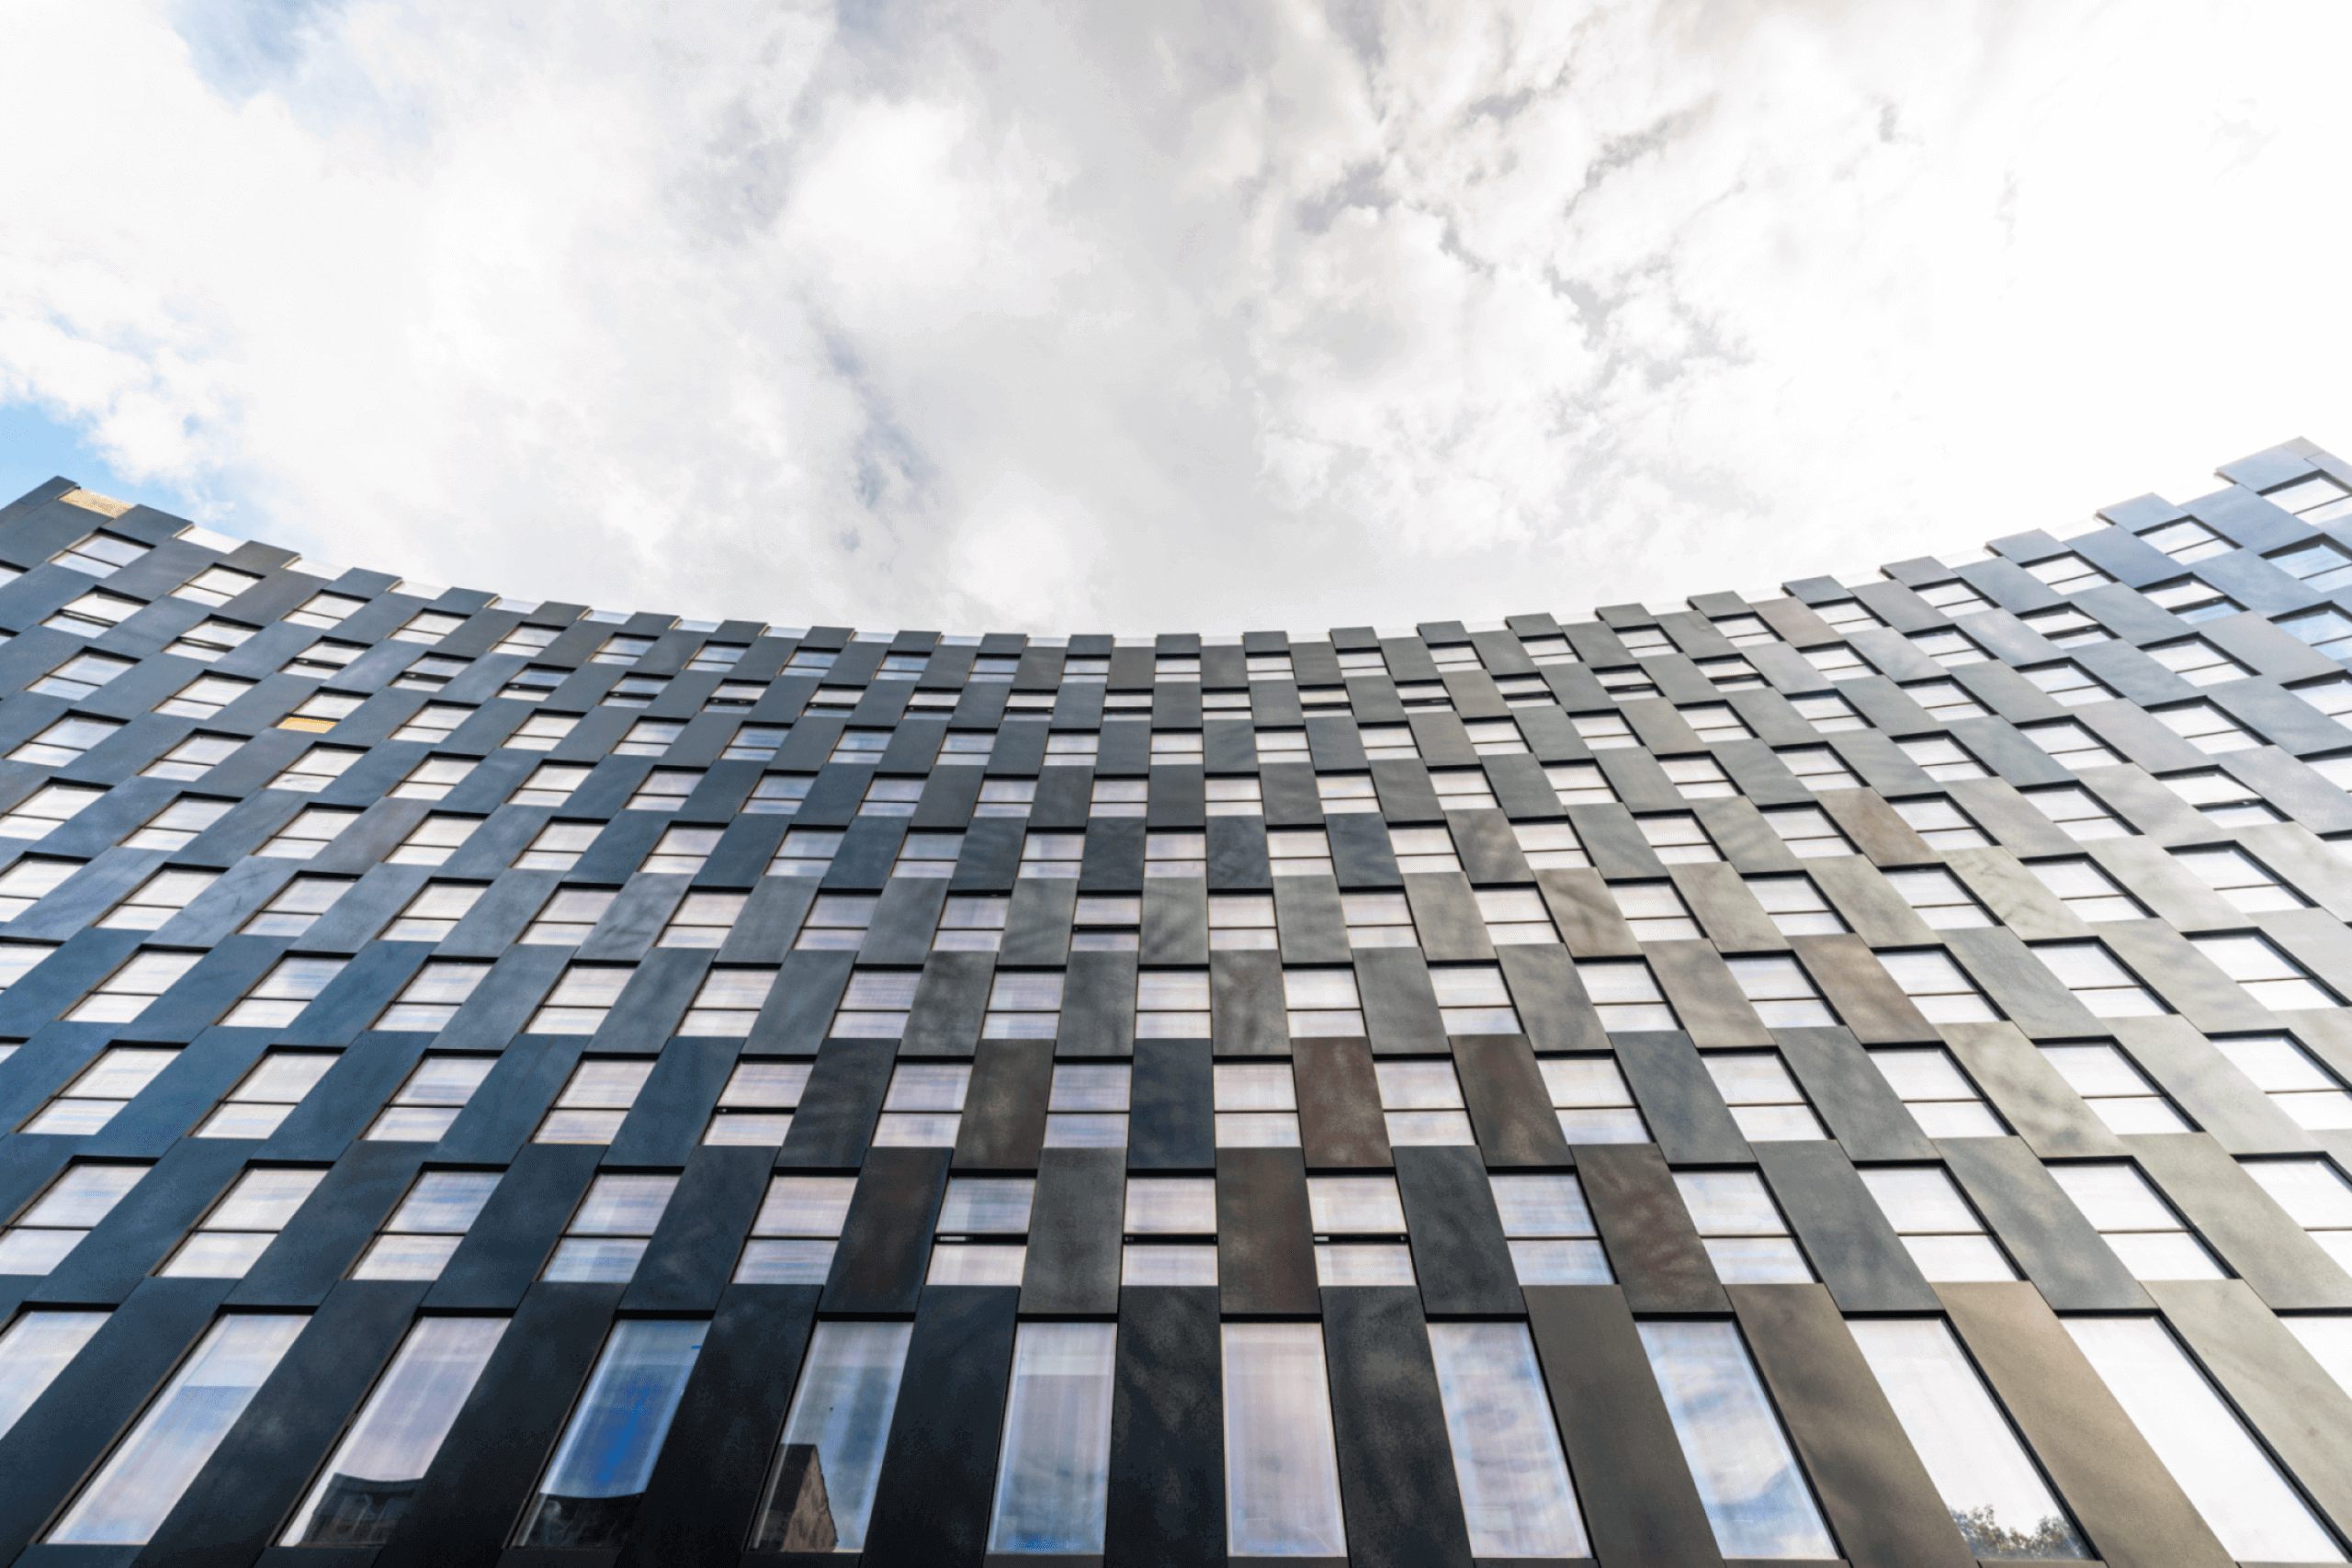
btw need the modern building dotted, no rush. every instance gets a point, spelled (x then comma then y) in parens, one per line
(1856, 1073)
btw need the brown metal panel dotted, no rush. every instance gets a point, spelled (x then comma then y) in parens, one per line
(1265, 1237)
(1713, 1009)
(1340, 1121)
(2129, 1505)
(1510, 1107)
(1004, 1110)
(1870, 903)
(1588, 919)
(1725, 909)
(1660, 1263)
(1864, 993)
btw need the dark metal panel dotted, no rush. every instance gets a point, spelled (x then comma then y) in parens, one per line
(1171, 1107)
(1489, 851)
(1176, 913)
(1554, 1006)
(1459, 1254)
(1075, 1222)
(1660, 1263)
(1862, 1110)
(674, 1106)
(799, 1008)
(950, 1000)
(1400, 1010)
(1038, 921)
(1099, 1005)
(333, 1226)
(1712, 1008)
(1166, 1507)
(1510, 1106)
(511, 1237)
(1004, 1110)
(1640, 1505)
(125, 1246)
(1310, 920)
(1265, 1240)
(1685, 1110)
(904, 917)
(687, 1264)
(2026, 1090)
(1857, 1253)
(179, 1096)
(472, 1495)
(507, 1107)
(2254, 1236)
(1882, 1508)
(1447, 918)
(931, 1505)
(2127, 1503)
(1863, 994)
(1397, 1480)
(1246, 1003)
(2058, 1249)
(1340, 1121)
(886, 1240)
(1587, 917)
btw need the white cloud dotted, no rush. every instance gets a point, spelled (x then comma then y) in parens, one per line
(1015, 315)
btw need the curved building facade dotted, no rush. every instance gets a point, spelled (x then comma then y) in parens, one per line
(1851, 1074)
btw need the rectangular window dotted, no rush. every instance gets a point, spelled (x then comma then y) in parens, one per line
(26, 883)
(422, 1235)
(649, 738)
(1781, 992)
(434, 778)
(1818, 768)
(730, 1001)
(435, 1091)
(435, 912)
(2237, 1489)
(2315, 1196)
(1678, 839)
(102, 1088)
(1462, 789)
(1281, 1462)
(793, 1237)
(2083, 886)
(63, 743)
(1173, 1004)
(1507, 1455)
(1515, 917)
(1424, 850)
(1299, 851)
(821, 1492)
(2071, 745)
(1605, 731)
(1715, 721)
(550, 783)
(558, 846)
(1940, 824)
(2295, 1082)
(33, 1350)
(318, 661)
(1388, 741)
(2138, 1224)
(1054, 1465)
(1764, 1099)
(209, 639)
(2114, 1089)
(2206, 727)
(875, 1005)
(1550, 844)
(924, 1106)
(242, 1224)
(1624, 994)
(1988, 1483)
(433, 840)
(312, 830)
(431, 999)
(1741, 1227)
(665, 789)
(1697, 778)
(434, 723)
(582, 1000)
(2267, 975)
(1322, 1002)
(703, 920)
(268, 1095)
(1795, 905)
(2240, 878)
(54, 1226)
(2067, 627)
(94, 615)
(154, 902)
(140, 1483)
(590, 1495)
(595, 1101)
(1578, 784)
(755, 1109)
(320, 714)
(1938, 1227)
(1755, 1498)
(292, 985)
(2317, 499)
(1845, 614)
(1473, 999)
(100, 555)
(2069, 573)
(837, 922)
(2068, 684)
(2188, 541)
(2098, 982)
(42, 812)
(1807, 831)
(1242, 920)
(2330, 631)
(1655, 912)
(891, 797)
(1942, 760)
(541, 731)
(205, 697)
(84, 673)
(125, 993)
(1589, 1096)
(1831, 715)
(1421, 1103)
(609, 1232)
(1006, 797)
(1257, 1105)
(1954, 598)
(1939, 1095)
(1024, 1005)
(1939, 898)
(1087, 1108)
(315, 769)
(1550, 1229)
(1936, 986)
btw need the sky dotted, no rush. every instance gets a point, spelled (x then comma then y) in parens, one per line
(1188, 317)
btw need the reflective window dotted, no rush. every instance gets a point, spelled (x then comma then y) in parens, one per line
(430, 1101)
(368, 1486)
(1748, 1481)
(35, 1348)
(1282, 1469)
(54, 1226)
(416, 1243)
(793, 1237)
(610, 1231)
(2137, 1222)
(1551, 1232)
(590, 1494)
(821, 1489)
(1939, 1097)
(1741, 1228)
(1939, 1228)
(1054, 1467)
(1506, 1453)
(1764, 1099)
(756, 1106)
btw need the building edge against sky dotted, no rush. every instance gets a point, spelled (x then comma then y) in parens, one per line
(1853, 1074)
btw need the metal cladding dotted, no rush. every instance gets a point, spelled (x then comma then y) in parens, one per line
(1854, 1073)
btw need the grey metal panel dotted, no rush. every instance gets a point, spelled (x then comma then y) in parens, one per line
(2017, 898)
(1004, 1108)
(1660, 1263)
(1554, 1006)
(1719, 899)
(1166, 1496)
(1856, 1251)
(1685, 1110)
(1310, 920)
(1037, 923)
(1246, 1006)
(2209, 1087)
(1861, 992)
(1400, 1010)
(886, 1240)
(2020, 984)
(1074, 1227)
(1172, 1115)
(2254, 1236)
(1708, 1001)
(1508, 1104)
(1863, 1112)
(1396, 1479)
(2028, 1092)
(1446, 917)
(1459, 1254)
(1869, 902)
(1176, 918)
(904, 917)
(2192, 982)
(1587, 918)
(1099, 1005)
(2039, 1224)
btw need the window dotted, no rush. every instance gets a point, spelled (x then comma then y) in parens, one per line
(1795, 905)
(367, 1485)
(1173, 1004)
(242, 1224)
(143, 1479)
(1386, 741)
(1462, 789)
(1697, 778)
(434, 778)
(2221, 799)
(34, 1349)
(550, 783)
(1845, 614)
(174, 828)
(581, 999)
(590, 1495)
(2068, 573)
(2206, 727)
(2315, 1196)
(55, 1225)
(540, 732)
(1954, 598)
(810, 661)
(1624, 994)
(315, 769)
(1363, 661)
(2114, 1089)
(703, 920)
(2139, 1224)
(567, 916)
(1071, 749)
(1359, 1226)
(1936, 986)
(84, 673)
(755, 1109)
(1051, 855)
(1808, 831)
(63, 743)
(2297, 1084)
(431, 999)
(730, 1001)
(2268, 975)
(1578, 784)
(101, 555)
(2330, 631)
(1828, 715)
(1300, 851)
(1550, 1230)
(1322, 1002)
(2319, 565)
(1678, 839)
(93, 614)
(1940, 824)
(595, 1101)
(269, 1094)
(1341, 794)
(1589, 1096)
(1992, 1488)
(1256, 1104)
(890, 797)
(2331, 696)
(805, 851)
(316, 663)
(1815, 767)
(875, 1005)
(1421, 1103)
(1514, 916)
(682, 852)
(1175, 855)
(2069, 684)
(1781, 993)
(1945, 701)
(1942, 759)
(1938, 1227)
(1180, 1214)
(2070, 745)
(1087, 1108)
(292, 985)
(1604, 732)
(1119, 797)
(429, 1102)
(2235, 1486)
(1424, 850)
(1053, 1470)
(1931, 1086)
(16, 961)
(1950, 649)
(27, 882)
(432, 841)
(925, 1105)
(1764, 1099)
(1938, 898)
(1548, 844)
(296, 909)
(2077, 813)
(124, 995)
(609, 1232)
(756, 741)
(665, 789)
(2192, 601)
(839, 1417)
(2316, 500)
(779, 794)
(2098, 982)
(1715, 721)
(1005, 797)
(2084, 887)
(1755, 1496)
(1022, 1005)
(1507, 1455)
(1730, 675)
(1234, 798)
(325, 610)
(974, 925)
(1282, 1467)
(2198, 663)
(1655, 911)
(427, 625)
(39, 813)
(1741, 1227)
(2188, 541)
(649, 737)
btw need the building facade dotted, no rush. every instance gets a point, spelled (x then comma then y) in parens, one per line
(1852, 1074)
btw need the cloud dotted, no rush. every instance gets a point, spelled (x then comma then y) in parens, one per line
(1052, 316)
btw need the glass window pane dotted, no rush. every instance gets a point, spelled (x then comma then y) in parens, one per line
(1182, 1205)
(2234, 1484)
(1541, 1205)
(590, 1495)
(34, 1350)
(1355, 1205)
(1054, 1470)
(176, 1437)
(1755, 1497)
(1506, 1453)
(987, 1206)
(840, 1416)
(1282, 1468)
(1996, 1496)
(368, 1486)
